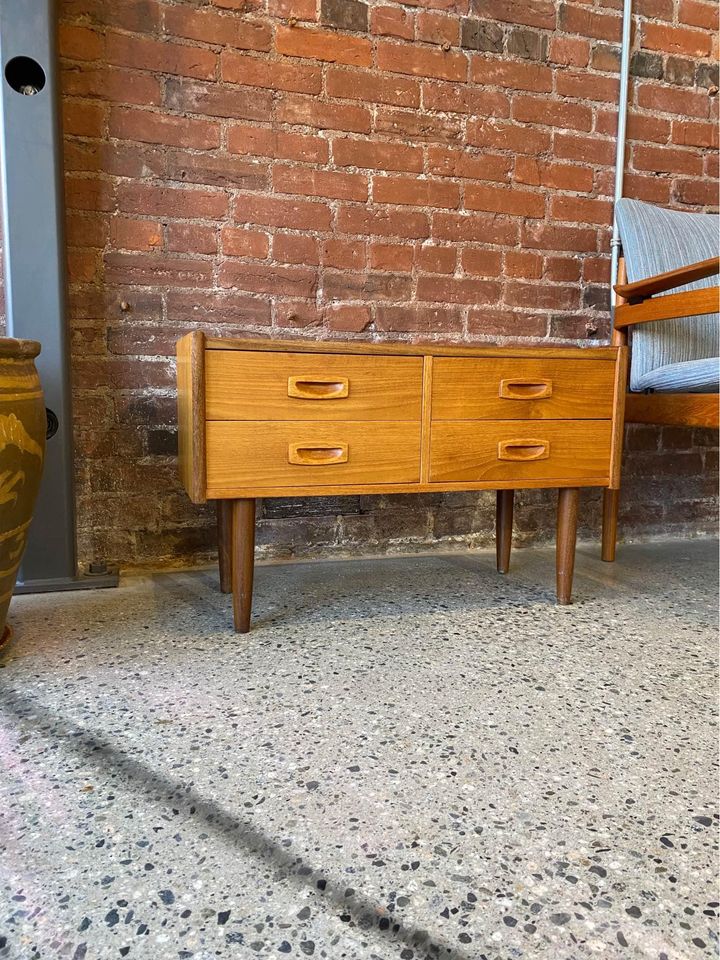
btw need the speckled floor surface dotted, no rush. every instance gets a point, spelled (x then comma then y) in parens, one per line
(406, 758)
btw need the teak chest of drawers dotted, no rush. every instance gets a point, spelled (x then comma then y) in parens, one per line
(276, 419)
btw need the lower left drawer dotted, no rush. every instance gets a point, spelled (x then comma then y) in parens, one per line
(276, 454)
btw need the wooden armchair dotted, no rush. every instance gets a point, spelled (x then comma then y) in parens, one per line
(674, 356)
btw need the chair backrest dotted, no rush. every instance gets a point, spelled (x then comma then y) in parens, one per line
(655, 240)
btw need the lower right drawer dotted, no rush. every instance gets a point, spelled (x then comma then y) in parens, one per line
(487, 450)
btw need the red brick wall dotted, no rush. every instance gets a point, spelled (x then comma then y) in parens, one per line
(435, 168)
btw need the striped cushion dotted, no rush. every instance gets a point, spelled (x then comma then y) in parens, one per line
(655, 240)
(692, 376)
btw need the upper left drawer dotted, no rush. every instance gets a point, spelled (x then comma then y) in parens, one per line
(249, 385)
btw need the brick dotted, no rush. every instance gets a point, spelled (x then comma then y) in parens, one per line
(216, 170)
(666, 160)
(575, 116)
(223, 306)
(586, 86)
(344, 14)
(415, 192)
(253, 72)
(475, 227)
(680, 71)
(191, 238)
(649, 188)
(527, 43)
(139, 16)
(511, 74)
(112, 84)
(508, 136)
(208, 26)
(589, 23)
(266, 142)
(416, 318)
(259, 278)
(392, 22)
(388, 256)
(126, 234)
(237, 242)
(86, 193)
(701, 193)
(586, 149)
(372, 88)
(680, 40)
(320, 183)
(422, 62)
(446, 162)
(438, 28)
(153, 269)
(322, 45)
(348, 319)
(542, 296)
(482, 263)
(300, 9)
(80, 43)
(143, 53)
(596, 269)
(461, 98)
(344, 254)
(192, 96)
(82, 119)
(521, 263)
(580, 210)
(694, 133)
(294, 248)
(87, 230)
(569, 51)
(310, 112)
(366, 286)
(481, 35)
(385, 223)
(127, 123)
(557, 176)
(162, 201)
(506, 323)
(546, 236)
(519, 203)
(643, 127)
(605, 57)
(376, 155)
(432, 259)
(282, 212)
(532, 13)
(697, 13)
(648, 65)
(438, 289)
(416, 125)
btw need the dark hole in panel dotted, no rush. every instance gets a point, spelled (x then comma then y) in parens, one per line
(25, 75)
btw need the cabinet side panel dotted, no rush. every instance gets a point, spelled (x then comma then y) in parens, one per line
(618, 433)
(191, 414)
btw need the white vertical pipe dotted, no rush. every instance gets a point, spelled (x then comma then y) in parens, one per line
(620, 144)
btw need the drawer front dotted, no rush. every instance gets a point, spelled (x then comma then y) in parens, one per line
(245, 385)
(303, 453)
(487, 450)
(521, 389)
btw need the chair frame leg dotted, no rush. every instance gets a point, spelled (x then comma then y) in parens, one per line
(243, 561)
(611, 504)
(566, 540)
(224, 529)
(503, 528)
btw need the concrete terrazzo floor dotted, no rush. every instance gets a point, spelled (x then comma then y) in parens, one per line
(406, 758)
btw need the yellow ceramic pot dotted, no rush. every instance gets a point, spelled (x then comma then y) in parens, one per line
(22, 447)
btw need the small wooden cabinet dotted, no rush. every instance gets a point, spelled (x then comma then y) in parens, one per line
(278, 418)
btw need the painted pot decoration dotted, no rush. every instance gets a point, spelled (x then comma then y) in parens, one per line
(23, 425)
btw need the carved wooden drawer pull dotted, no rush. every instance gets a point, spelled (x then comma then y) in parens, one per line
(525, 389)
(317, 454)
(523, 450)
(318, 388)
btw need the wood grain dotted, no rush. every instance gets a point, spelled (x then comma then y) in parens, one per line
(254, 386)
(505, 500)
(467, 450)
(243, 562)
(465, 389)
(611, 503)
(673, 409)
(191, 414)
(566, 540)
(256, 454)
(618, 421)
(669, 307)
(641, 289)
(426, 417)
(224, 529)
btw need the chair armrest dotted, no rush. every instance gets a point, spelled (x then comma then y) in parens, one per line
(642, 289)
(689, 303)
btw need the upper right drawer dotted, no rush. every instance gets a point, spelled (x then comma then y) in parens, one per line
(522, 389)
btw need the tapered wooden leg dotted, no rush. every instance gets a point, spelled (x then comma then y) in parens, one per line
(565, 548)
(611, 502)
(243, 561)
(503, 528)
(224, 529)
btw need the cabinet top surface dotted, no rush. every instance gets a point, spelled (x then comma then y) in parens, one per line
(411, 349)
